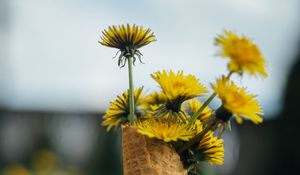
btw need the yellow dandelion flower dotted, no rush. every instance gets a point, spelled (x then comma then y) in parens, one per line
(243, 54)
(210, 149)
(128, 39)
(178, 86)
(118, 111)
(195, 105)
(160, 128)
(236, 102)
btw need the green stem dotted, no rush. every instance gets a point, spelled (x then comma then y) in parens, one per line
(205, 104)
(131, 93)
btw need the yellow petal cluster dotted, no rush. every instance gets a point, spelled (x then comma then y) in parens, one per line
(211, 149)
(177, 86)
(118, 111)
(243, 54)
(237, 101)
(160, 128)
(125, 37)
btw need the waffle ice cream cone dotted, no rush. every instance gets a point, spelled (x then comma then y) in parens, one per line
(145, 156)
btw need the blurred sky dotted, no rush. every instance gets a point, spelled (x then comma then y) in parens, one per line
(50, 58)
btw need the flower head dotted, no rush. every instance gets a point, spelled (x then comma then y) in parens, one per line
(236, 101)
(128, 39)
(210, 149)
(177, 88)
(118, 111)
(160, 128)
(243, 54)
(195, 105)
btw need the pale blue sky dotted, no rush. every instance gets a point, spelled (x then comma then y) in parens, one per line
(53, 60)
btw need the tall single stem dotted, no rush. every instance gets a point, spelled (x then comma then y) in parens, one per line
(131, 93)
(205, 104)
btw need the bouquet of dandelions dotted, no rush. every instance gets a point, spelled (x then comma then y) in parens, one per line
(170, 132)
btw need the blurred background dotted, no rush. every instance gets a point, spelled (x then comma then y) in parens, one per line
(56, 80)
